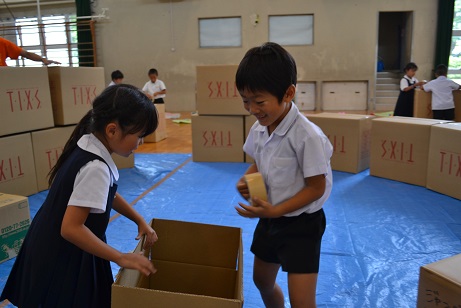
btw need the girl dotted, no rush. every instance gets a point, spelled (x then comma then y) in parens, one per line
(64, 260)
(405, 102)
(293, 155)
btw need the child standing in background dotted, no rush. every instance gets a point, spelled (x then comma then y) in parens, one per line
(117, 78)
(293, 156)
(155, 88)
(443, 106)
(64, 260)
(408, 84)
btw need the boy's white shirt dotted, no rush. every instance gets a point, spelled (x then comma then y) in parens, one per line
(91, 185)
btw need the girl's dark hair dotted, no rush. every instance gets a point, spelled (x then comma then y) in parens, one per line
(125, 104)
(410, 66)
(269, 68)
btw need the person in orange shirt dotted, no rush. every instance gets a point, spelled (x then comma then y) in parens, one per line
(10, 50)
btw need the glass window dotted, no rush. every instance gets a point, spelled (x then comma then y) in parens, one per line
(220, 32)
(454, 62)
(291, 29)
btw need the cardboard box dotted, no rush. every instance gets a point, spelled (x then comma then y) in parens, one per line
(48, 145)
(160, 132)
(123, 162)
(350, 136)
(198, 265)
(17, 167)
(25, 101)
(216, 91)
(73, 90)
(444, 165)
(14, 223)
(440, 284)
(422, 107)
(249, 121)
(217, 138)
(400, 148)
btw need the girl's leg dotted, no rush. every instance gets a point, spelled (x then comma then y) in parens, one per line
(302, 289)
(264, 275)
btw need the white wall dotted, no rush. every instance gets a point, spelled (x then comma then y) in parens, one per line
(139, 36)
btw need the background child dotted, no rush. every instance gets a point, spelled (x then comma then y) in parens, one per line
(64, 260)
(443, 106)
(405, 102)
(117, 78)
(155, 88)
(293, 156)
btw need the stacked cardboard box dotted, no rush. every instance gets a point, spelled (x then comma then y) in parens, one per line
(160, 132)
(198, 265)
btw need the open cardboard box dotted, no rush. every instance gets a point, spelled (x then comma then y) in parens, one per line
(198, 265)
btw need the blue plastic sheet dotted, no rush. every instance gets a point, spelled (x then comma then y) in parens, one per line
(379, 232)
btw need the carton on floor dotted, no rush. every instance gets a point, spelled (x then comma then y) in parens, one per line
(422, 107)
(73, 90)
(198, 266)
(17, 167)
(400, 148)
(14, 223)
(440, 284)
(48, 145)
(25, 101)
(216, 91)
(217, 138)
(160, 132)
(444, 165)
(350, 136)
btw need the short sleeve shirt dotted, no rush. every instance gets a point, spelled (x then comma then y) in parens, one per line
(8, 50)
(404, 82)
(91, 186)
(442, 92)
(295, 150)
(152, 87)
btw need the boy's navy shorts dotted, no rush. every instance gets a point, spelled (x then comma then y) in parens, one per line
(292, 242)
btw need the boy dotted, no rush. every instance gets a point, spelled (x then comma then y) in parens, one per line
(117, 78)
(293, 156)
(155, 88)
(443, 106)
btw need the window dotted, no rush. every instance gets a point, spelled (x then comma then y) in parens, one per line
(291, 30)
(454, 63)
(220, 32)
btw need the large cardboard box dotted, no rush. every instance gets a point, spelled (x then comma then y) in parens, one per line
(14, 223)
(73, 90)
(216, 91)
(25, 102)
(249, 121)
(17, 167)
(400, 148)
(350, 136)
(422, 107)
(440, 284)
(217, 138)
(160, 132)
(444, 165)
(198, 266)
(48, 145)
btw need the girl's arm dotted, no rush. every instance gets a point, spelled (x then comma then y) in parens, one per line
(73, 229)
(124, 208)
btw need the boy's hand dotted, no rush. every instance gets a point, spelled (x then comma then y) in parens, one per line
(242, 188)
(258, 209)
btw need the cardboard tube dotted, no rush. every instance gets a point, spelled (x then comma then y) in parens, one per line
(256, 186)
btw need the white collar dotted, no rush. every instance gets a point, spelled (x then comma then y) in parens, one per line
(286, 123)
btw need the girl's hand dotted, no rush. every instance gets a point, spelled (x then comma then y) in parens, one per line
(242, 188)
(151, 235)
(138, 262)
(258, 209)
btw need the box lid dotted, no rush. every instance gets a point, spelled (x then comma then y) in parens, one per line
(407, 120)
(340, 116)
(449, 268)
(6, 199)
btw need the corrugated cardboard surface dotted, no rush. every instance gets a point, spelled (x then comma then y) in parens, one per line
(123, 162)
(73, 90)
(17, 167)
(160, 132)
(216, 91)
(440, 284)
(350, 136)
(400, 148)
(14, 223)
(422, 107)
(217, 138)
(25, 101)
(48, 145)
(198, 265)
(444, 165)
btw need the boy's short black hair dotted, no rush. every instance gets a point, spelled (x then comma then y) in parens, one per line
(410, 66)
(269, 68)
(441, 70)
(152, 71)
(116, 75)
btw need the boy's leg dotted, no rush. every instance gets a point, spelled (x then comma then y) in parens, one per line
(264, 275)
(302, 289)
